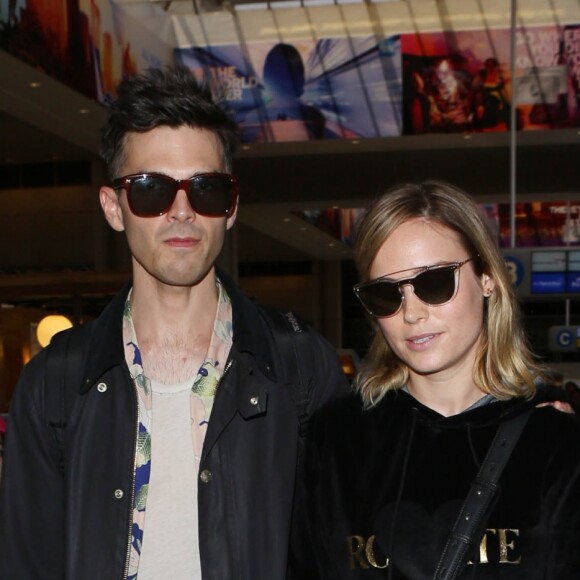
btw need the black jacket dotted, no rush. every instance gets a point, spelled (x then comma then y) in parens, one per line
(389, 483)
(77, 525)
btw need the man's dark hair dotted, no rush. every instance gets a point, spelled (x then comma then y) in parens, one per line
(163, 97)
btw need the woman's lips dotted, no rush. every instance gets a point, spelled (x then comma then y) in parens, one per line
(421, 341)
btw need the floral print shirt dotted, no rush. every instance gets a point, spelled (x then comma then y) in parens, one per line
(203, 391)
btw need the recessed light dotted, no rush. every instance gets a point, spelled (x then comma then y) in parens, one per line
(245, 147)
(84, 111)
(286, 219)
(331, 244)
(35, 85)
(467, 136)
(355, 141)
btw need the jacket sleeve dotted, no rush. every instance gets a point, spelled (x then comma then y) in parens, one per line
(32, 485)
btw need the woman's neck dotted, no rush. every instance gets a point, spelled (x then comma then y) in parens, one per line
(446, 398)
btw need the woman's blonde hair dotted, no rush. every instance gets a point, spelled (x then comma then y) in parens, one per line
(504, 365)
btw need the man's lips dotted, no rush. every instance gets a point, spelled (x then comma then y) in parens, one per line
(177, 242)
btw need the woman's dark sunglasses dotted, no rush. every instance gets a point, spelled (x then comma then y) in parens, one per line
(435, 286)
(153, 194)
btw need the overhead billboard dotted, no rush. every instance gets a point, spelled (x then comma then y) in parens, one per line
(312, 89)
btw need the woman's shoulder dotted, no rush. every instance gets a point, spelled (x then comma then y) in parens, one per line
(551, 433)
(547, 410)
(555, 424)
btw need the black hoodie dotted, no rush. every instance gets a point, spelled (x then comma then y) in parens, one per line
(384, 486)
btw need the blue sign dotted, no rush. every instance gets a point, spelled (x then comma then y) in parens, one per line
(515, 269)
(548, 283)
(564, 338)
(573, 282)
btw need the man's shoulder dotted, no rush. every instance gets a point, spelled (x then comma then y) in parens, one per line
(308, 359)
(52, 358)
(286, 322)
(292, 332)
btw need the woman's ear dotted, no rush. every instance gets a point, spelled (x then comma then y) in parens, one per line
(112, 208)
(488, 285)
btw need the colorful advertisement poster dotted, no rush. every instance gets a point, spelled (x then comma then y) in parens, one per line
(326, 89)
(572, 52)
(537, 224)
(456, 81)
(340, 223)
(89, 45)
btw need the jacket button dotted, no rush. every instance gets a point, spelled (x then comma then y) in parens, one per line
(119, 494)
(254, 401)
(205, 476)
(102, 387)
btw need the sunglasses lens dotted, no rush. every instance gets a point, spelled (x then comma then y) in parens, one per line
(381, 298)
(435, 286)
(151, 195)
(211, 195)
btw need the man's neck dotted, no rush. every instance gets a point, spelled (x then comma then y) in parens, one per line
(174, 326)
(155, 305)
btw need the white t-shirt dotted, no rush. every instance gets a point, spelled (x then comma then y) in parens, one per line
(170, 539)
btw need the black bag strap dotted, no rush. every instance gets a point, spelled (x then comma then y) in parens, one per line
(63, 374)
(296, 359)
(479, 499)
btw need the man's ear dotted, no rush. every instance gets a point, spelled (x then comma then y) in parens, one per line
(111, 208)
(232, 218)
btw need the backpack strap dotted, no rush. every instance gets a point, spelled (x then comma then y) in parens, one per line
(63, 375)
(296, 359)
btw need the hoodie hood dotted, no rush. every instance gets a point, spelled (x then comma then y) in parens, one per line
(488, 414)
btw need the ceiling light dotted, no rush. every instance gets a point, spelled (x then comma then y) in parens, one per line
(35, 85)
(49, 326)
(84, 111)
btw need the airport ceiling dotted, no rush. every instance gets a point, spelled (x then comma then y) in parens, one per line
(42, 120)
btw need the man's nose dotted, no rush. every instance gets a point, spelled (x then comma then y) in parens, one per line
(181, 209)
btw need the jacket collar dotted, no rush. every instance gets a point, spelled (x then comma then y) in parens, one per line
(250, 333)
(105, 346)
